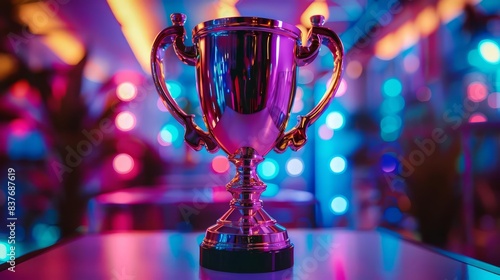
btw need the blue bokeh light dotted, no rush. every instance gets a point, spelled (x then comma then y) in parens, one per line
(393, 215)
(388, 162)
(3, 251)
(392, 105)
(339, 205)
(392, 87)
(390, 123)
(338, 164)
(490, 51)
(271, 190)
(174, 88)
(169, 133)
(335, 120)
(268, 169)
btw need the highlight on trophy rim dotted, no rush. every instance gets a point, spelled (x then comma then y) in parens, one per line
(246, 78)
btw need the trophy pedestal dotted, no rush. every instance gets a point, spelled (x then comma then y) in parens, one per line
(250, 261)
(256, 244)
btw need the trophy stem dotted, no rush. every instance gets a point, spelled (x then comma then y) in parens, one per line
(246, 238)
(246, 188)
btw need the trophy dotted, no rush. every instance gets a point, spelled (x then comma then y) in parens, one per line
(246, 80)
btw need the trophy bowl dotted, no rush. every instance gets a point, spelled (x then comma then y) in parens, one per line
(246, 80)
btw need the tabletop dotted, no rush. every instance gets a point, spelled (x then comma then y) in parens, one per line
(319, 254)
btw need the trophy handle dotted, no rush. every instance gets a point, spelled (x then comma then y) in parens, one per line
(296, 137)
(174, 35)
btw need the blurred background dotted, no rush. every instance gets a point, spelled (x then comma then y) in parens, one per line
(411, 143)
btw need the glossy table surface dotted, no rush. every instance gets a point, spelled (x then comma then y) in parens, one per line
(319, 254)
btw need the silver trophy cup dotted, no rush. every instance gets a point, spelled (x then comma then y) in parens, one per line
(246, 79)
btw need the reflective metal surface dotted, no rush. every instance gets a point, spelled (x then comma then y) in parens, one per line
(246, 74)
(246, 82)
(319, 254)
(246, 225)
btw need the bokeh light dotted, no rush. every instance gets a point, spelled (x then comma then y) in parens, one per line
(123, 163)
(411, 63)
(20, 128)
(268, 169)
(125, 121)
(45, 235)
(306, 76)
(424, 94)
(271, 190)
(169, 133)
(450, 9)
(3, 251)
(388, 162)
(392, 87)
(404, 203)
(477, 91)
(315, 8)
(20, 89)
(494, 100)
(161, 141)
(22, 144)
(174, 88)
(389, 136)
(160, 105)
(477, 118)
(324, 132)
(427, 21)
(354, 69)
(339, 205)
(408, 35)
(338, 164)
(96, 70)
(335, 120)
(294, 167)
(387, 47)
(126, 91)
(298, 105)
(220, 164)
(299, 93)
(392, 105)
(490, 51)
(390, 123)
(475, 59)
(393, 215)
(342, 88)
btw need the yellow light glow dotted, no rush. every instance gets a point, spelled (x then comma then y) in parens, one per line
(318, 7)
(7, 65)
(303, 33)
(427, 21)
(96, 70)
(227, 8)
(408, 35)
(138, 26)
(388, 47)
(39, 17)
(66, 46)
(126, 91)
(42, 19)
(450, 9)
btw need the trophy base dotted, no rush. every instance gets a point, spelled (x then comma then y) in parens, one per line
(250, 261)
(246, 239)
